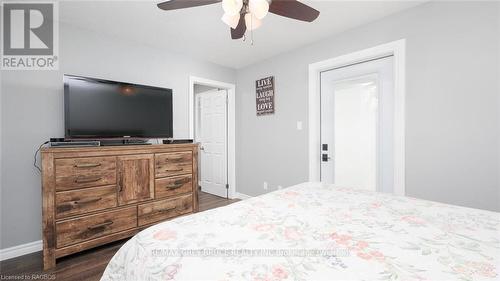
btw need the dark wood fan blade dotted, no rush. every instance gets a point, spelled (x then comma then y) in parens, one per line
(181, 4)
(239, 31)
(293, 9)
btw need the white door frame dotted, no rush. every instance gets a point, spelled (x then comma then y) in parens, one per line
(231, 126)
(395, 48)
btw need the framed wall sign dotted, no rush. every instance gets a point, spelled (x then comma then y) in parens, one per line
(264, 95)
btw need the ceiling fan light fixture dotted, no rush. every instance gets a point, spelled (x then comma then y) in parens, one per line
(231, 20)
(252, 22)
(232, 7)
(258, 8)
(243, 15)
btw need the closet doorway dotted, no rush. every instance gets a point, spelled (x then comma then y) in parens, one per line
(350, 92)
(357, 111)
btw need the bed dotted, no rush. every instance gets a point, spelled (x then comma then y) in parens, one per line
(315, 231)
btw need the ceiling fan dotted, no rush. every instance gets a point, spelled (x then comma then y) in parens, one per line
(243, 15)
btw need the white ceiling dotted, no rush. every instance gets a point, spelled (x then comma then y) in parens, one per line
(199, 32)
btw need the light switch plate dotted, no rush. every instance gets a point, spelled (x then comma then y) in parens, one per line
(299, 125)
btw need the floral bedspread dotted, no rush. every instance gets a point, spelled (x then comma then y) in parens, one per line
(314, 231)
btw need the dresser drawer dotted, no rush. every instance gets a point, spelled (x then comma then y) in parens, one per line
(175, 163)
(76, 230)
(167, 187)
(77, 202)
(164, 209)
(75, 173)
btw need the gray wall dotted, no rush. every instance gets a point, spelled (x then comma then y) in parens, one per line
(32, 111)
(452, 136)
(452, 123)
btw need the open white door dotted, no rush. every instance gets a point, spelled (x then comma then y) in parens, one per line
(211, 134)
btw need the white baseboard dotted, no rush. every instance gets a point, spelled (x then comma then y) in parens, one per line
(20, 250)
(241, 196)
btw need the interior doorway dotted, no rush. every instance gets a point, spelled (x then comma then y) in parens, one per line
(212, 126)
(211, 134)
(357, 112)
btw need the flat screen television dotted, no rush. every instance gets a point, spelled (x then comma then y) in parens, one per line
(102, 109)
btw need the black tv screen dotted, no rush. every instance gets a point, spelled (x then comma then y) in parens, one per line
(96, 108)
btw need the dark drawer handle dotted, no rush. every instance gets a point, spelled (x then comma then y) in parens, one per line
(174, 186)
(87, 165)
(87, 201)
(87, 179)
(101, 225)
(178, 183)
(174, 170)
(174, 159)
(167, 210)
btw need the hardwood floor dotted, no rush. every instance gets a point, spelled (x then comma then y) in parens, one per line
(87, 265)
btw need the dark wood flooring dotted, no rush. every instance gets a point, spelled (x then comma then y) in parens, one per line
(87, 265)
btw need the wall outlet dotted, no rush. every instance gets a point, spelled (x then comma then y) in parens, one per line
(299, 125)
(266, 187)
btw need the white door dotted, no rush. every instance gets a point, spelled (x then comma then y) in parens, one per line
(211, 133)
(357, 116)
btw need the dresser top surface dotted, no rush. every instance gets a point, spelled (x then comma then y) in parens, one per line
(137, 148)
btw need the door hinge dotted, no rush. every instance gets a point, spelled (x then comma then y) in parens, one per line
(227, 186)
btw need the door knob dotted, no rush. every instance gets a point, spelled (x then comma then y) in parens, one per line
(202, 148)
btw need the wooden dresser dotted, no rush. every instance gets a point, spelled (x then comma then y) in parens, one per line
(96, 195)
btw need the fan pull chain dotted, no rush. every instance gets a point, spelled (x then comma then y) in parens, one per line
(251, 30)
